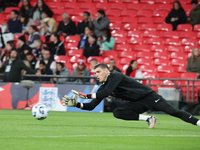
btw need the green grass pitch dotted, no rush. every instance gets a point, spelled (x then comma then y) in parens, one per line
(93, 131)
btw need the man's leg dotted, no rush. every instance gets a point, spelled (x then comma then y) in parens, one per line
(171, 110)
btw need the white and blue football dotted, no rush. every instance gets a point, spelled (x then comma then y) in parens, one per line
(40, 111)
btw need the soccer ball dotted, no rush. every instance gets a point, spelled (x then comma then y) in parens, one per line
(40, 111)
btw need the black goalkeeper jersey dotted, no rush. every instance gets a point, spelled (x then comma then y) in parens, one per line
(120, 86)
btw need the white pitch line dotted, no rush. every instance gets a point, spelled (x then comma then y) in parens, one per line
(98, 136)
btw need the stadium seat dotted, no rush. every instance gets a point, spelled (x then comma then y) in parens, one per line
(197, 27)
(143, 13)
(147, 68)
(180, 69)
(115, 1)
(69, 1)
(135, 41)
(60, 58)
(107, 59)
(149, 7)
(128, 13)
(130, 26)
(117, 6)
(133, 6)
(157, 48)
(147, 1)
(127, 54)
(154, 41)
(72, 39)
(127, 20)
(77, 53)
(85, 6)
(161, 55)
(178, 62)
(118, 33)
(178, 55)
(131, 1)
(43, 38)
(189, 75)
(164, 69)
(74, 59)
(166, 7)
(123, 47)
(115, 19)
(163, 62)
(144, 61)
(115, 26)
(159, 20)
(147, 27)
(102, 6)
(145, 20)
(188, 49)
(188, 35)
(9, 9)
(113, 13)
(69, 46)
(125, 61)
(173, 75)
(144, 48)
(172, 48)
(109, 53)
(184, 27)
(120, 40)
(151, 34)
(152, 75)
(134, 34)
(188, 42)
(164, 27)
(170, 34)
(159, 13)
(171, 41)
(77, 19)
(98, 58)
(148, 55)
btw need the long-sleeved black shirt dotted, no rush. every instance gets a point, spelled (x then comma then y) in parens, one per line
(121, 86)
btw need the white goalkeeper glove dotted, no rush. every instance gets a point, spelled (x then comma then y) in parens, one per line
(67, 101)
(80, 94)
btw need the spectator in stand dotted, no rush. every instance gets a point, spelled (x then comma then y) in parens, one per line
(56, 46)
(26, 22)
(43, 70)
(67, 26)
(10, 45)
(176, 16)
(84, 38)
(14, 23)
(26, 8)
(193, 64)
(48, 24)
(31, 59)
(12, 68)
(37, 51)
(106, 42)
(194, 17)
(33, 36)
(63, 71)
(133, 70)
(5, 35)
(91, 49)
(100, 23)
(22, 47)
(38, 11)
(80, 30)
(93, 63)
(47, 59)
(112, 66)
(81, 70)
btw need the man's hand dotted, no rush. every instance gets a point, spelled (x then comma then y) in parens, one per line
(80, 94)
(67, 101)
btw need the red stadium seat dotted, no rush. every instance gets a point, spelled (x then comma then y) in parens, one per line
(69, 46)
(152, 75)
(171, 41)
(144, 61)
(197, 27)
(125, 61)
(43, 38)
(77, 53)
(98, 58)
(188, 49)
(115, 26)
(147, 1)
(184, 27)
(149, 7)
(113, 13)
(74, 59)
(130, 26)
(107, 59)
(77, 19)
(164, 69)
(159, 13)
(127, 54)
(144, 13)
(72, 39)
(147, 27)
(131, 1)
(164, 27)
(189, 75)
(173, 75)
(188, 42)
(9, 9)
(120, 40)
(133, 6)
(134, 34)
(151, 34)
(162, 2)
(154, 41)
(124, 47)
(115, 1)
(161, 55)
(148, 55)
(159, 20)
(109, 53)
(115, 19)
(170, 34)
(147, 68)
(118, 33)
(127, 20)
(60, 58)
(144, 48)
(117, 6)
(172, 48)
(128, 13)
(135, 41)
(145, 20)
(178, 62)
(102, 6)
(188, 34)
(178, 55)
(180, 69)
(163, 62)
(157, 48)
(85, 6)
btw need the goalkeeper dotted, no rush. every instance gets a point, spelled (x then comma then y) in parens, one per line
(139, 97)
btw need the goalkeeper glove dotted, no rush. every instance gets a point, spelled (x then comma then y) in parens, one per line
(80, 94)
(67, 101)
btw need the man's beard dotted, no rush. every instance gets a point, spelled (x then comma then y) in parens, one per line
(12, 58)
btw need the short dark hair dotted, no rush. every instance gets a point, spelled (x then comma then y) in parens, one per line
(102, 65)
(111, 60)
(33, 27)
(29, 53)
(56, 35)
(12, 44)
(16, 12)
(94, 59)
(86, 12)
(194, 2)
(42, 62)
(61, 64)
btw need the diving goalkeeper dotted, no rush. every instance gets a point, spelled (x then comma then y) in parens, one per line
(139, 97)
